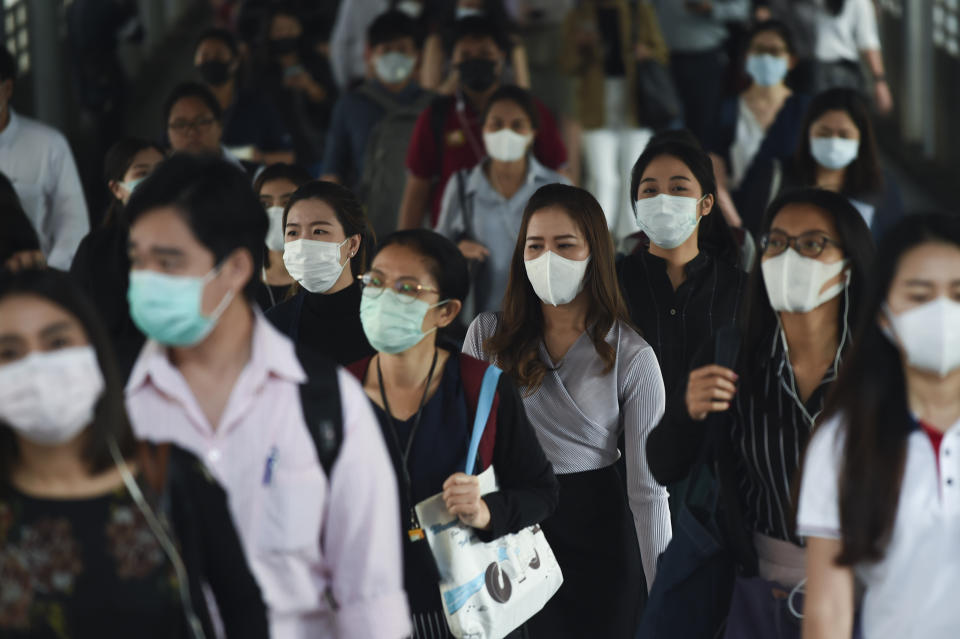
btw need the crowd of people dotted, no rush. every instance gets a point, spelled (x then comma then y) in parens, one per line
(730, 389)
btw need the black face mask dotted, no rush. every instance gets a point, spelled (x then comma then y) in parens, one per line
(214, 72)
(478, 74)
(283, 46)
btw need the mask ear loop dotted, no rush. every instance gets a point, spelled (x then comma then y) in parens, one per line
(166, 543)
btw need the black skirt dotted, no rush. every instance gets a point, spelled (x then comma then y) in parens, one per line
(594, 539)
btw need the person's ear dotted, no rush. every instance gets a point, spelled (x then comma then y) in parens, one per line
(117, 190)
(791, 62)
(6, 90)
(448, 312)
(353, 246)
(706, 205)
(238, 269)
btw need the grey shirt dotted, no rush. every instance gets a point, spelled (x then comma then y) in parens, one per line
(579, 411)
(495, 223)
(689, 32)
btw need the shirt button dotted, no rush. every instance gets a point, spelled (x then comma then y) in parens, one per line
(946, 451)
(673, 311)
(213, 456)
(949, 481)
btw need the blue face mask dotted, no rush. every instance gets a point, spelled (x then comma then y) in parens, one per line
(166, 308)
(132, 185)
(767, 70)
(393, 325)
(467, 12)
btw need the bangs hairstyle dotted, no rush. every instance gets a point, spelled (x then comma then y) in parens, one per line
(773, 26)
(444, 261)
(519, 96)
(214, 198)
(759, 318)
(221, 35)
(864, 175)
(117, 162)
(190, 90)
(870, 397)
(110, 416)
(714, 235)
(393, 25)
(516, 342)
(477, 27)
(293, 173)
(349, 214)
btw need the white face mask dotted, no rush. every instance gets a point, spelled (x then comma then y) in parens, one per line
(929, 335)
(468, 12)
(275, 230)
(48, 398)
(394, 67)
(555, 279)
(506, 145)
(834, 153)
(411, 8)
(794, 282)
(668, 220)
(314, 264)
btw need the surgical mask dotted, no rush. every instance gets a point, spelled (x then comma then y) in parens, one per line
(478, 74)
(167, 308)
(929, 335)
(314, 264)
(767, 70)
(274, 239)
(132, 185)
(668, 220)
(393, 325)
(468, 12)
(834, 153)
(794, 282)
(214, 72)
(555, 279)
(48, 398)
(394, 67)
(506, 145)
(412, 9)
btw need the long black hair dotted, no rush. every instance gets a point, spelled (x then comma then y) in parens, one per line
(117, 162)
(871, 397)
(16, 232)
(864, 175)
(714, 235)
(759, 320)
(110, 417)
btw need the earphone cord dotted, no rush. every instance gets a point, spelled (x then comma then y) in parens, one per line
(165, 542)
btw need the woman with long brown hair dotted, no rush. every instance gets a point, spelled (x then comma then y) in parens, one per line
(565, 339)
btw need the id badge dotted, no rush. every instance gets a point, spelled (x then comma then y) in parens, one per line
(415, 531)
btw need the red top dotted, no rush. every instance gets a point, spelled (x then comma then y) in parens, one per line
(936, 438)
(463, 149)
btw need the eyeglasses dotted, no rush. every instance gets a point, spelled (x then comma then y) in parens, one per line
(183, 126)
(810, 244)
(407, 288)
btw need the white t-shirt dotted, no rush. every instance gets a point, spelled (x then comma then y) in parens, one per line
(747, 139)
(844, 36)
(912, 592)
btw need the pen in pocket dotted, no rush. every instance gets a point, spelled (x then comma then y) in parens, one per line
(268, 469)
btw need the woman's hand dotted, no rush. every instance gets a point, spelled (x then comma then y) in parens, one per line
(473, 250)
(710, 390)
(461, 494)
(25, 260)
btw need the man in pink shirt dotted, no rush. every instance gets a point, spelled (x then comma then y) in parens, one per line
(219, 380)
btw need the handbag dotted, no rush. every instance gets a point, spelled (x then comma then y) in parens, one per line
(487, 589)
(658, 105)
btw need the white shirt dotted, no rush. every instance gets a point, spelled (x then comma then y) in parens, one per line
(304, 536)
(912, 592)
(348, 39)
(38, 161)
(844, 36)
(746, 142)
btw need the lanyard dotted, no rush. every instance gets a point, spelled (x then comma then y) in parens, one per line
(414, 532)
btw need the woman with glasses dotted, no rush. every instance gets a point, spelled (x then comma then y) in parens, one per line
(193, 122)
(878, 501)
(425, 396)
(587, 377)
(100, 535)
(325, 242)
(803, 299)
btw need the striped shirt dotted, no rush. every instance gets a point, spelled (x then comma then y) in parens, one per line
(579, 412)
(770, 429)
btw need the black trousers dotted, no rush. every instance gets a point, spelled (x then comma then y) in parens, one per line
(699, 78)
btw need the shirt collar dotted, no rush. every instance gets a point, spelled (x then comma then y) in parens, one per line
(271, 355)
(477, 179)
(700, 262)
(13, 126)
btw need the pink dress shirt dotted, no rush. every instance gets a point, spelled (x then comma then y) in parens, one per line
(327, 554)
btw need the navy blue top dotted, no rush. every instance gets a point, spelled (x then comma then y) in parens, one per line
(354, 117)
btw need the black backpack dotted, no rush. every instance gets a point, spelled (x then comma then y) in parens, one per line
(322, 411)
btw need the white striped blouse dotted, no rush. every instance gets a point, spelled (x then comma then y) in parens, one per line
(579, 412)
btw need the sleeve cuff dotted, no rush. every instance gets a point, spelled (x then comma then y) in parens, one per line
(383, 617)
(813, 530)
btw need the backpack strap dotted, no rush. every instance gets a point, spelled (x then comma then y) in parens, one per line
(466, 204)
(473, 371)
(488, 391)
(359, 369)
(322, 411)
(154, 463)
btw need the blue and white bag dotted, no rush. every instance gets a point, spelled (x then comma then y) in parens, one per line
(488, 589)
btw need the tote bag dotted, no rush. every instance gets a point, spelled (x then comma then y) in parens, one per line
(487, 589)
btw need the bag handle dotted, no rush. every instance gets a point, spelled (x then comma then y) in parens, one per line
(488, 389)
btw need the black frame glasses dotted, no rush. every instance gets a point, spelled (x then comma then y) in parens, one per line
(810, 244)
(406, 288)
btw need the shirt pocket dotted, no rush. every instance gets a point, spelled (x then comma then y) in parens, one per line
(292, 513)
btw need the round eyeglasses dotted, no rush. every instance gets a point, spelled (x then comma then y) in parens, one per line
(407, 289)
(810, 244)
